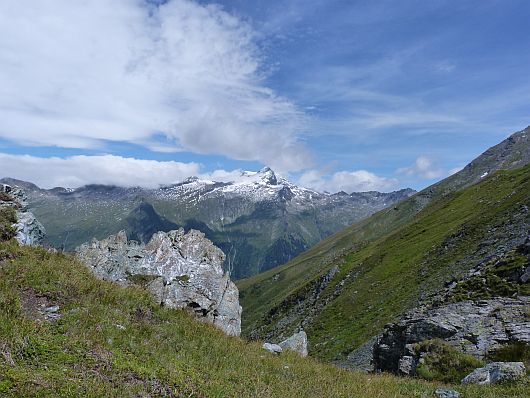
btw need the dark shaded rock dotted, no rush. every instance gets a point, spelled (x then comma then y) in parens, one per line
(475, 328)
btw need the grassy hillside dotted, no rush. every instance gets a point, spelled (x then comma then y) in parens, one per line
(115, 342)
(346, 288)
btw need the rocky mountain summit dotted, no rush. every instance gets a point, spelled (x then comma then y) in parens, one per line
(29, 231)
(259, 220)
(181, 270)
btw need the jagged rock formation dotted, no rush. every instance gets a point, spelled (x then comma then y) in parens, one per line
(476, 328)
(29, 230)
(181, 270)
(496, 372)
(259, 220)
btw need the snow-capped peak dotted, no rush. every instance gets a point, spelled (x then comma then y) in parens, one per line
(266, 175)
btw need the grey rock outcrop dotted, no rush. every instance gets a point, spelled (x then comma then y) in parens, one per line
(475, 328)
(496, 372)
(297, 343)
(181, 270)
(30, 231)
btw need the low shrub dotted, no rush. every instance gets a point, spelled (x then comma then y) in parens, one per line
(7, 219)
(442, 362)
(513, 352)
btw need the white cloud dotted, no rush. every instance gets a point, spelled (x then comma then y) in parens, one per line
(76, 171)
(423, 167)
(348, 181)
(79, 73)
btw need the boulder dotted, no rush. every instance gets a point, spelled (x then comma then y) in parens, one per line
(297, 343)
(181, 270)
(496, 372)
(273, 348)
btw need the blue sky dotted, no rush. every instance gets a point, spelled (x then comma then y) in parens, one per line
(352, 95)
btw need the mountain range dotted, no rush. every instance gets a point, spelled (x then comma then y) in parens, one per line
(259, 221)
(454, 240)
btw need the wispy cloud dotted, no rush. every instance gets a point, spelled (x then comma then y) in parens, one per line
(423, 167)
(74, 74)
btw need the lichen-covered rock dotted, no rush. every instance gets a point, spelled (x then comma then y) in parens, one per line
(297, 343)
(181, 270)
(475, 328)
(407, 365)
(30, 231)
(496, 372)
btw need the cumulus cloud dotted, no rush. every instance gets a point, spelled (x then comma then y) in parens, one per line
(423, 167)
(76, 171)
(78, 74)
(348, 181)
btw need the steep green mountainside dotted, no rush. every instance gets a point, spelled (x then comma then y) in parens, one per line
(347, 287)
(64, 333)
(260, 222)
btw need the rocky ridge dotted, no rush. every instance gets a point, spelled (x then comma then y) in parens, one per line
(29, 231)
(181, 270)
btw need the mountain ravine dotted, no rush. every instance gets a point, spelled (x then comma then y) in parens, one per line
(260, 222)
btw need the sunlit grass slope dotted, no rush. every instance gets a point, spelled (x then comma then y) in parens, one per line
(116, 342)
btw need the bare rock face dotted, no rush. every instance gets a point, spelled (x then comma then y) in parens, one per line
(476, 328)
(181, 270)
(30, 231)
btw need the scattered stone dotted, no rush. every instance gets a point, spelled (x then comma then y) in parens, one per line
(273, 348)
(52, 309)
(297, 343)
(446, 393)
(496, 372)
(121, 327)
(181, 270)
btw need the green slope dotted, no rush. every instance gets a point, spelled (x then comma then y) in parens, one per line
(347, 287)
(116, 342)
